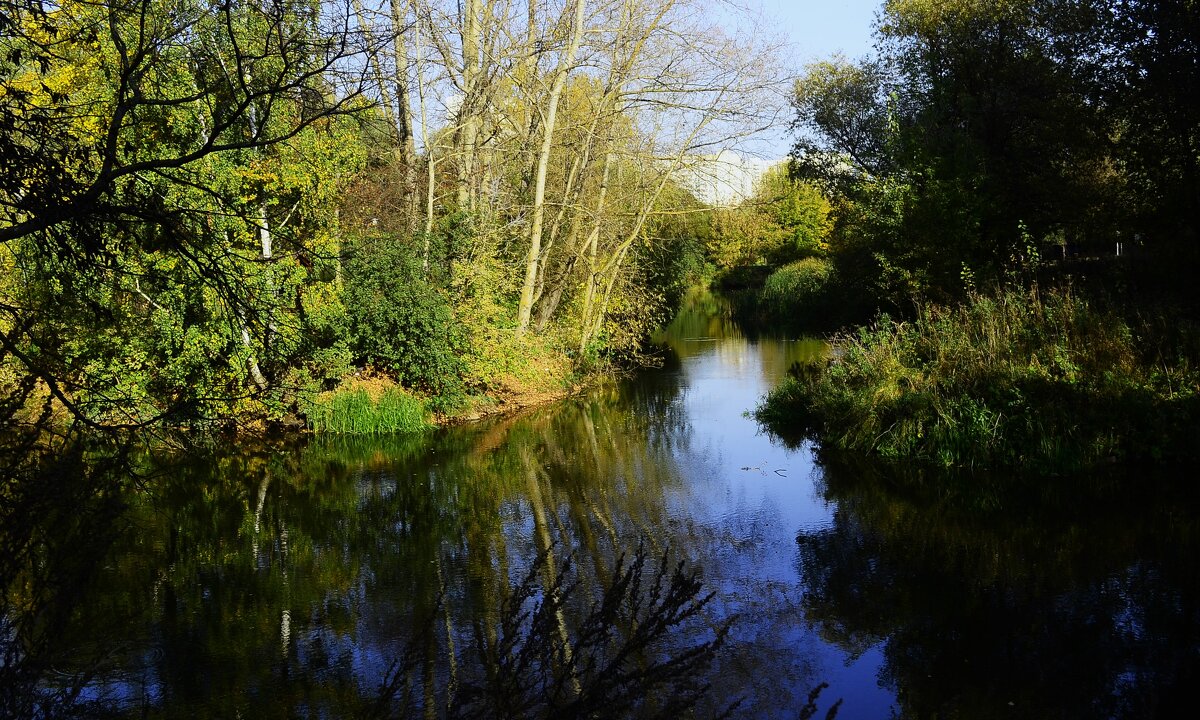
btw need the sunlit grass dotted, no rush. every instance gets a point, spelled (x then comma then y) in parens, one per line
(357, 412)
(1020, 379)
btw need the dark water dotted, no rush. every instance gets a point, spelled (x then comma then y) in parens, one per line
(287, 583)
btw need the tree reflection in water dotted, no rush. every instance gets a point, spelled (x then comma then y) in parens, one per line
(60, 507)
(258, 608)
(536, 664)
(1045, 600)
(275, 582)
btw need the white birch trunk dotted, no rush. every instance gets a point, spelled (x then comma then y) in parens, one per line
(525, 308)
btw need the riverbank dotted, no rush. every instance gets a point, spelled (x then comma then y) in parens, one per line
(514, 403)
(1044, 382)
(373, 404)
(366, 402)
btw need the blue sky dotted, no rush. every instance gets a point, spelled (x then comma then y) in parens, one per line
(813, 29)
(819, 28)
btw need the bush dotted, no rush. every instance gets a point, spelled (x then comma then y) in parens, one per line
(799, 289)
(1044, 382)
(802, 296)
(401, 322)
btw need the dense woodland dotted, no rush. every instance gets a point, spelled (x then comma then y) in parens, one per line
(985, 140)
(347, 215)
(342, 212)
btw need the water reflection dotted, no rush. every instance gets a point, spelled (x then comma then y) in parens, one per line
(1079, 602)
(287, 583)
(705, 326)
(53, 497)
(280, 582)
(276, 583)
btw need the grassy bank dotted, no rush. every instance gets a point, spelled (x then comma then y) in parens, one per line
(375, 404)
(1042, 381)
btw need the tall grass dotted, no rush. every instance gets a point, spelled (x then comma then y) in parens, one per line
(357, 412)
(1021, 379)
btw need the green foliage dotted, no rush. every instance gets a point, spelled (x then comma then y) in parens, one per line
(803, 290)
(675, 260)
(1037, 381)
(357, 412)
(497, 362)
(800, 212)
(846, 103)
(977, 125)
(635, 311)
(188, 266)
(399, 321)
(785, 220)
(984, 144)
(136, 282)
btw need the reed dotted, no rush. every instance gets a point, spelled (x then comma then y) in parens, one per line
(358, 412)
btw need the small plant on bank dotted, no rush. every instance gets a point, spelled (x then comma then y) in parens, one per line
(358, 412)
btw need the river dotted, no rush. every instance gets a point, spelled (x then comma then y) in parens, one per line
(297, 582)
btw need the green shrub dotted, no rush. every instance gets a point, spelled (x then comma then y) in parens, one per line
(402, 323)
(357, 412)
(798, 289)
(1043, 382)
(802, 296)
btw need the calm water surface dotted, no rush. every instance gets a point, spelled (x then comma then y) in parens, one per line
(284, 583)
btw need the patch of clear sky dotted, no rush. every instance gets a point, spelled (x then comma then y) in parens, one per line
(814, 30)
(820, 28)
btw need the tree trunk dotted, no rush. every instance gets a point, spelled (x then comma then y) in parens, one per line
(403, 114)
(589, 248)
(539, 190)
(468, 120)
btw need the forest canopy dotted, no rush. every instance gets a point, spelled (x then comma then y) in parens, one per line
(984, 134)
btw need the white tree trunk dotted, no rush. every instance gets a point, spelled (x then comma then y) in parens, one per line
(565, 66)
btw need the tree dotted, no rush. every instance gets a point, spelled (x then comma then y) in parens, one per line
(842, 121)
(786, 219)
(970, 141)
(547, 122)
(1138, 62)
(194, 108)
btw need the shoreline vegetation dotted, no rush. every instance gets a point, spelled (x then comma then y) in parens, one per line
(298, 207)
(379, 406)
(1010, 192)
(1023, 379)
(448, 233)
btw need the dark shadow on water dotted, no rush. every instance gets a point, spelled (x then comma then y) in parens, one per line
(555, 652)
(996, 599)
(61, 507)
